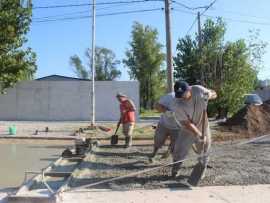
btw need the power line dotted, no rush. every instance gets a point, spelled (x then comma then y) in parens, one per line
(62, 6)
(188, 12)
(209, 6)
(241, 21)
(77, 12)
(243, 14)
(129, 12)
(60, 15)
(188, 7)
(225, 11)
(192, 25)
(90, 4)
(184, 11)
(63, 19)
(225, 18)
(194, 8)
(99, 15)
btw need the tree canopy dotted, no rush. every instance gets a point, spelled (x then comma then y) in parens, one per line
(16, 63)
(144, 60)
(230, 68)
(106, 65)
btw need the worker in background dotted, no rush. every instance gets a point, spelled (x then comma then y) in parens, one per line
(190, 112)
(166, 127)
(127, 117)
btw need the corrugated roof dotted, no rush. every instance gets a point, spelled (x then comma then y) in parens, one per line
(60, 78)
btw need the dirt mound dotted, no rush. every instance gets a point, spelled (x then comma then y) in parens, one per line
(251, 120)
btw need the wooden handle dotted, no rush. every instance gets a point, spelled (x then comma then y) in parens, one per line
(203, 129)
(118, 125)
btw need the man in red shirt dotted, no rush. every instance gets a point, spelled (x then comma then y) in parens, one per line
(127, 118)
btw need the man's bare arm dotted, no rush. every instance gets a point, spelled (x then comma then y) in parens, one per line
(212, 94)
(191, 127)
(160, 108)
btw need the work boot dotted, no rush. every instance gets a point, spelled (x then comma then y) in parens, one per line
(151, 158)
(166, 154)
(128, 141)
(175, 169)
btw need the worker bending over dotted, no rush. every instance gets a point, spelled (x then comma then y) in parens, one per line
(127, 117)
(167, 127)
(190, 111)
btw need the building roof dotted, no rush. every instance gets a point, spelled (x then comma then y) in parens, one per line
(60, 78)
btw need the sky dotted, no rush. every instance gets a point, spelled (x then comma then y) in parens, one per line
(55, 41)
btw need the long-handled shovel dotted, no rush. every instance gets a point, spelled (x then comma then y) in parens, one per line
(199, 169)
(114, 137)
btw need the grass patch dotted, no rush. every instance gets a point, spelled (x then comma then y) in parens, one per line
(149, 113)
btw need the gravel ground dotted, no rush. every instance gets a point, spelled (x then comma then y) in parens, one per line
(230, 165)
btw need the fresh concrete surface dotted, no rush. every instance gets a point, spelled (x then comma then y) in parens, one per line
(217, 194)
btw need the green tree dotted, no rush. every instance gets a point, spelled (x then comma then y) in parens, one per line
(230, 68)
(105, 65)
(144, 60)
(186, 62)
(16, 63)
(238, 78)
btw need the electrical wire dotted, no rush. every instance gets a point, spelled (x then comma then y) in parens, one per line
(242, 14)
(193, 8)
(99, 15)
(60, 15)
(192, 25)
(90, 4)
(188, 7)
(81, 12)
(209, 6)
(225, 18)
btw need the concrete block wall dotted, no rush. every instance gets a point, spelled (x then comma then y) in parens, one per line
(65, 100)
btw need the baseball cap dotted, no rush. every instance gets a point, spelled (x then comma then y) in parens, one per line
(180, 87)
(120, 94)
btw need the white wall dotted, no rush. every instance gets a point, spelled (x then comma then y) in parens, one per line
(64, 100)
(264, 93)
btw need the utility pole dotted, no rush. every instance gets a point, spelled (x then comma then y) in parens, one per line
(169, 46)
(200, 47)
(93, 63)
